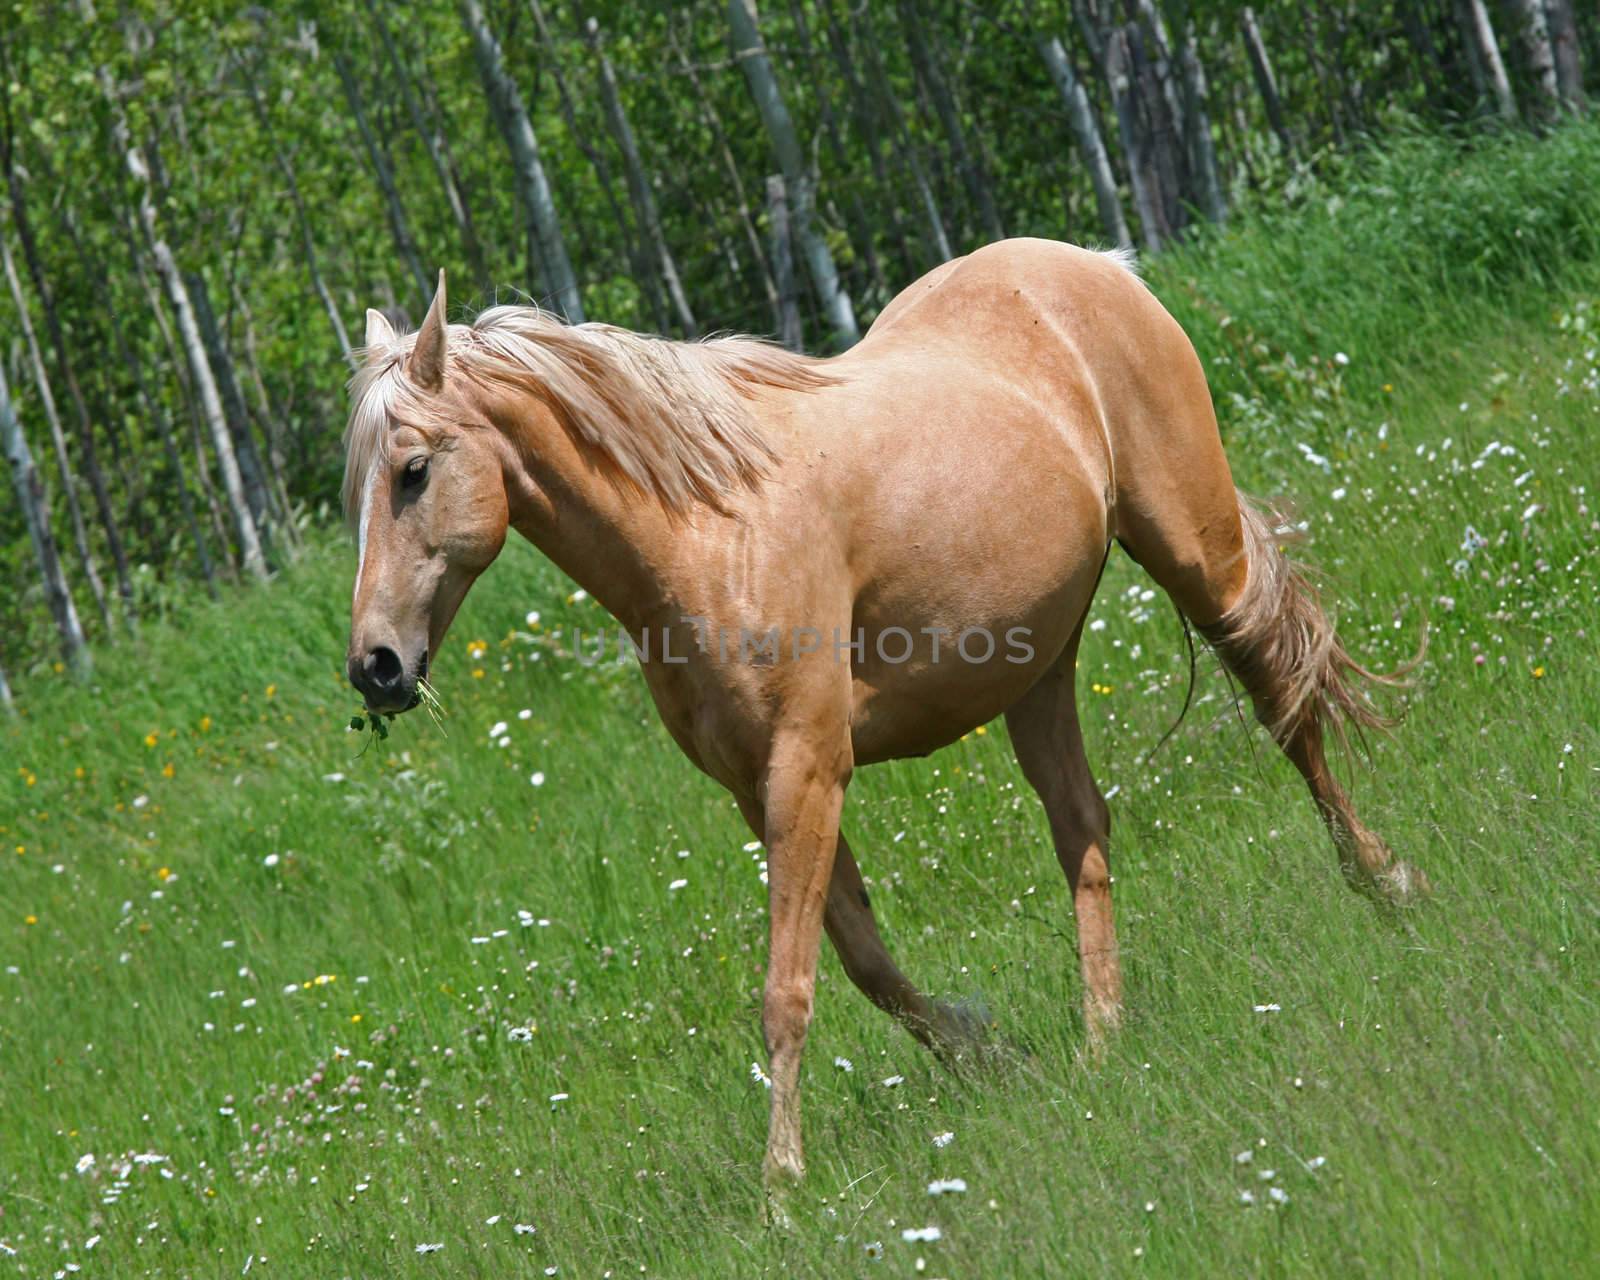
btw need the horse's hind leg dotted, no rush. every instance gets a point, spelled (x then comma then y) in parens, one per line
(1049, 746)
(1220, 560)
(1276, 639)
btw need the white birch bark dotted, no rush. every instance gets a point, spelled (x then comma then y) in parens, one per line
(751, 53)
(639, 191)
(437, 146)
(1086, 132)
(308, 243)
(1479, 33)
(1568, 54)
(789, 332)
(511, 116)
(205, 385)
(1197, 126)
(399, 224)
(1266, 82)
(36, 511)
(1533, 30)
(58, 438)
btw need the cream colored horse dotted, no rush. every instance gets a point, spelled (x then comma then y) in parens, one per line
(958, 475)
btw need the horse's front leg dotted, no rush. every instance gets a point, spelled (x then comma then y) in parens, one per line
(802, 793)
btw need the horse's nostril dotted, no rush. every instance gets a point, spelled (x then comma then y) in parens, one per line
(385, 668)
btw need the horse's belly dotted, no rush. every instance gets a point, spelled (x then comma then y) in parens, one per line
(919, 685)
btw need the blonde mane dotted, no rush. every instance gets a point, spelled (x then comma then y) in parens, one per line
(670, 417)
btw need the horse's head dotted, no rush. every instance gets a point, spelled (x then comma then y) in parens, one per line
(425, 476)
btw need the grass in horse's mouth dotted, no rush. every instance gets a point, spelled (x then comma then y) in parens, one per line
(429, 698)
(376, 723)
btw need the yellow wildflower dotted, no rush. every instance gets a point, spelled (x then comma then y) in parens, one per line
(1538, 673)
(205, 724)
(150, 739)
(477, 673)
(163, 873)
(167, 770)
(30, 919)
(271, 689)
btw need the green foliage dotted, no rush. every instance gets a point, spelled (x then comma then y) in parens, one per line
(187, 76)
(427, 994)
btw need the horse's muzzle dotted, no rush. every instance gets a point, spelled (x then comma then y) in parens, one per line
(384, 680)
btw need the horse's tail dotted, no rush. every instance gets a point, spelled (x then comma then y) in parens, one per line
(1280, 643)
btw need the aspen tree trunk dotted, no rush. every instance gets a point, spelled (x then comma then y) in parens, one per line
(789, 332)
(1266, 82)
(89, 455)
(978, 183)
(5, 693)
(1143, 178)
(905, 146)
(869, 132)
(169, 445)
(1478, 32)
(251, 470)
(1419, 34)
(154, 413)
(511, 117)
(434, 142)
(1108, 46)
(862, 235)
(1568, 53)
(399, 224)
(308, 242)
(1311, 39)
(639, 190)
(1086, 132)
(640, 265)
(122, 458)
(1149, 71)
(178, 365)
(1532, 29)
(751, 53)
(267, 420)
(205, 385)
(1201, 147)
(36, 511)
(1162, 64)
(58, 438)
(713, 122)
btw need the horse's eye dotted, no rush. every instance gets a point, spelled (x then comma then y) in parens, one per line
(415, 473)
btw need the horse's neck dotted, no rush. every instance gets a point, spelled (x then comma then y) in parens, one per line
(612, 543)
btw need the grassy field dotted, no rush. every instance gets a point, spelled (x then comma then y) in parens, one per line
(272, 1004)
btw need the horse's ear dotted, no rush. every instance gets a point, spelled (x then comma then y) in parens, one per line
(380, 333)
(426, 367)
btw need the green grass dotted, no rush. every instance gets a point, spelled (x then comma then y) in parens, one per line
(1441, 1061)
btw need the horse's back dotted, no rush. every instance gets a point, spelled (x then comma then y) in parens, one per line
(1079, 330)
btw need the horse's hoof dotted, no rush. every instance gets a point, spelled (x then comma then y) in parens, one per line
(1402, 884)
(963, 1032)
(778, 1181)
(775, 1213)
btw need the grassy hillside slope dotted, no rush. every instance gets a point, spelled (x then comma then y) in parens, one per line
(270, 1003)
